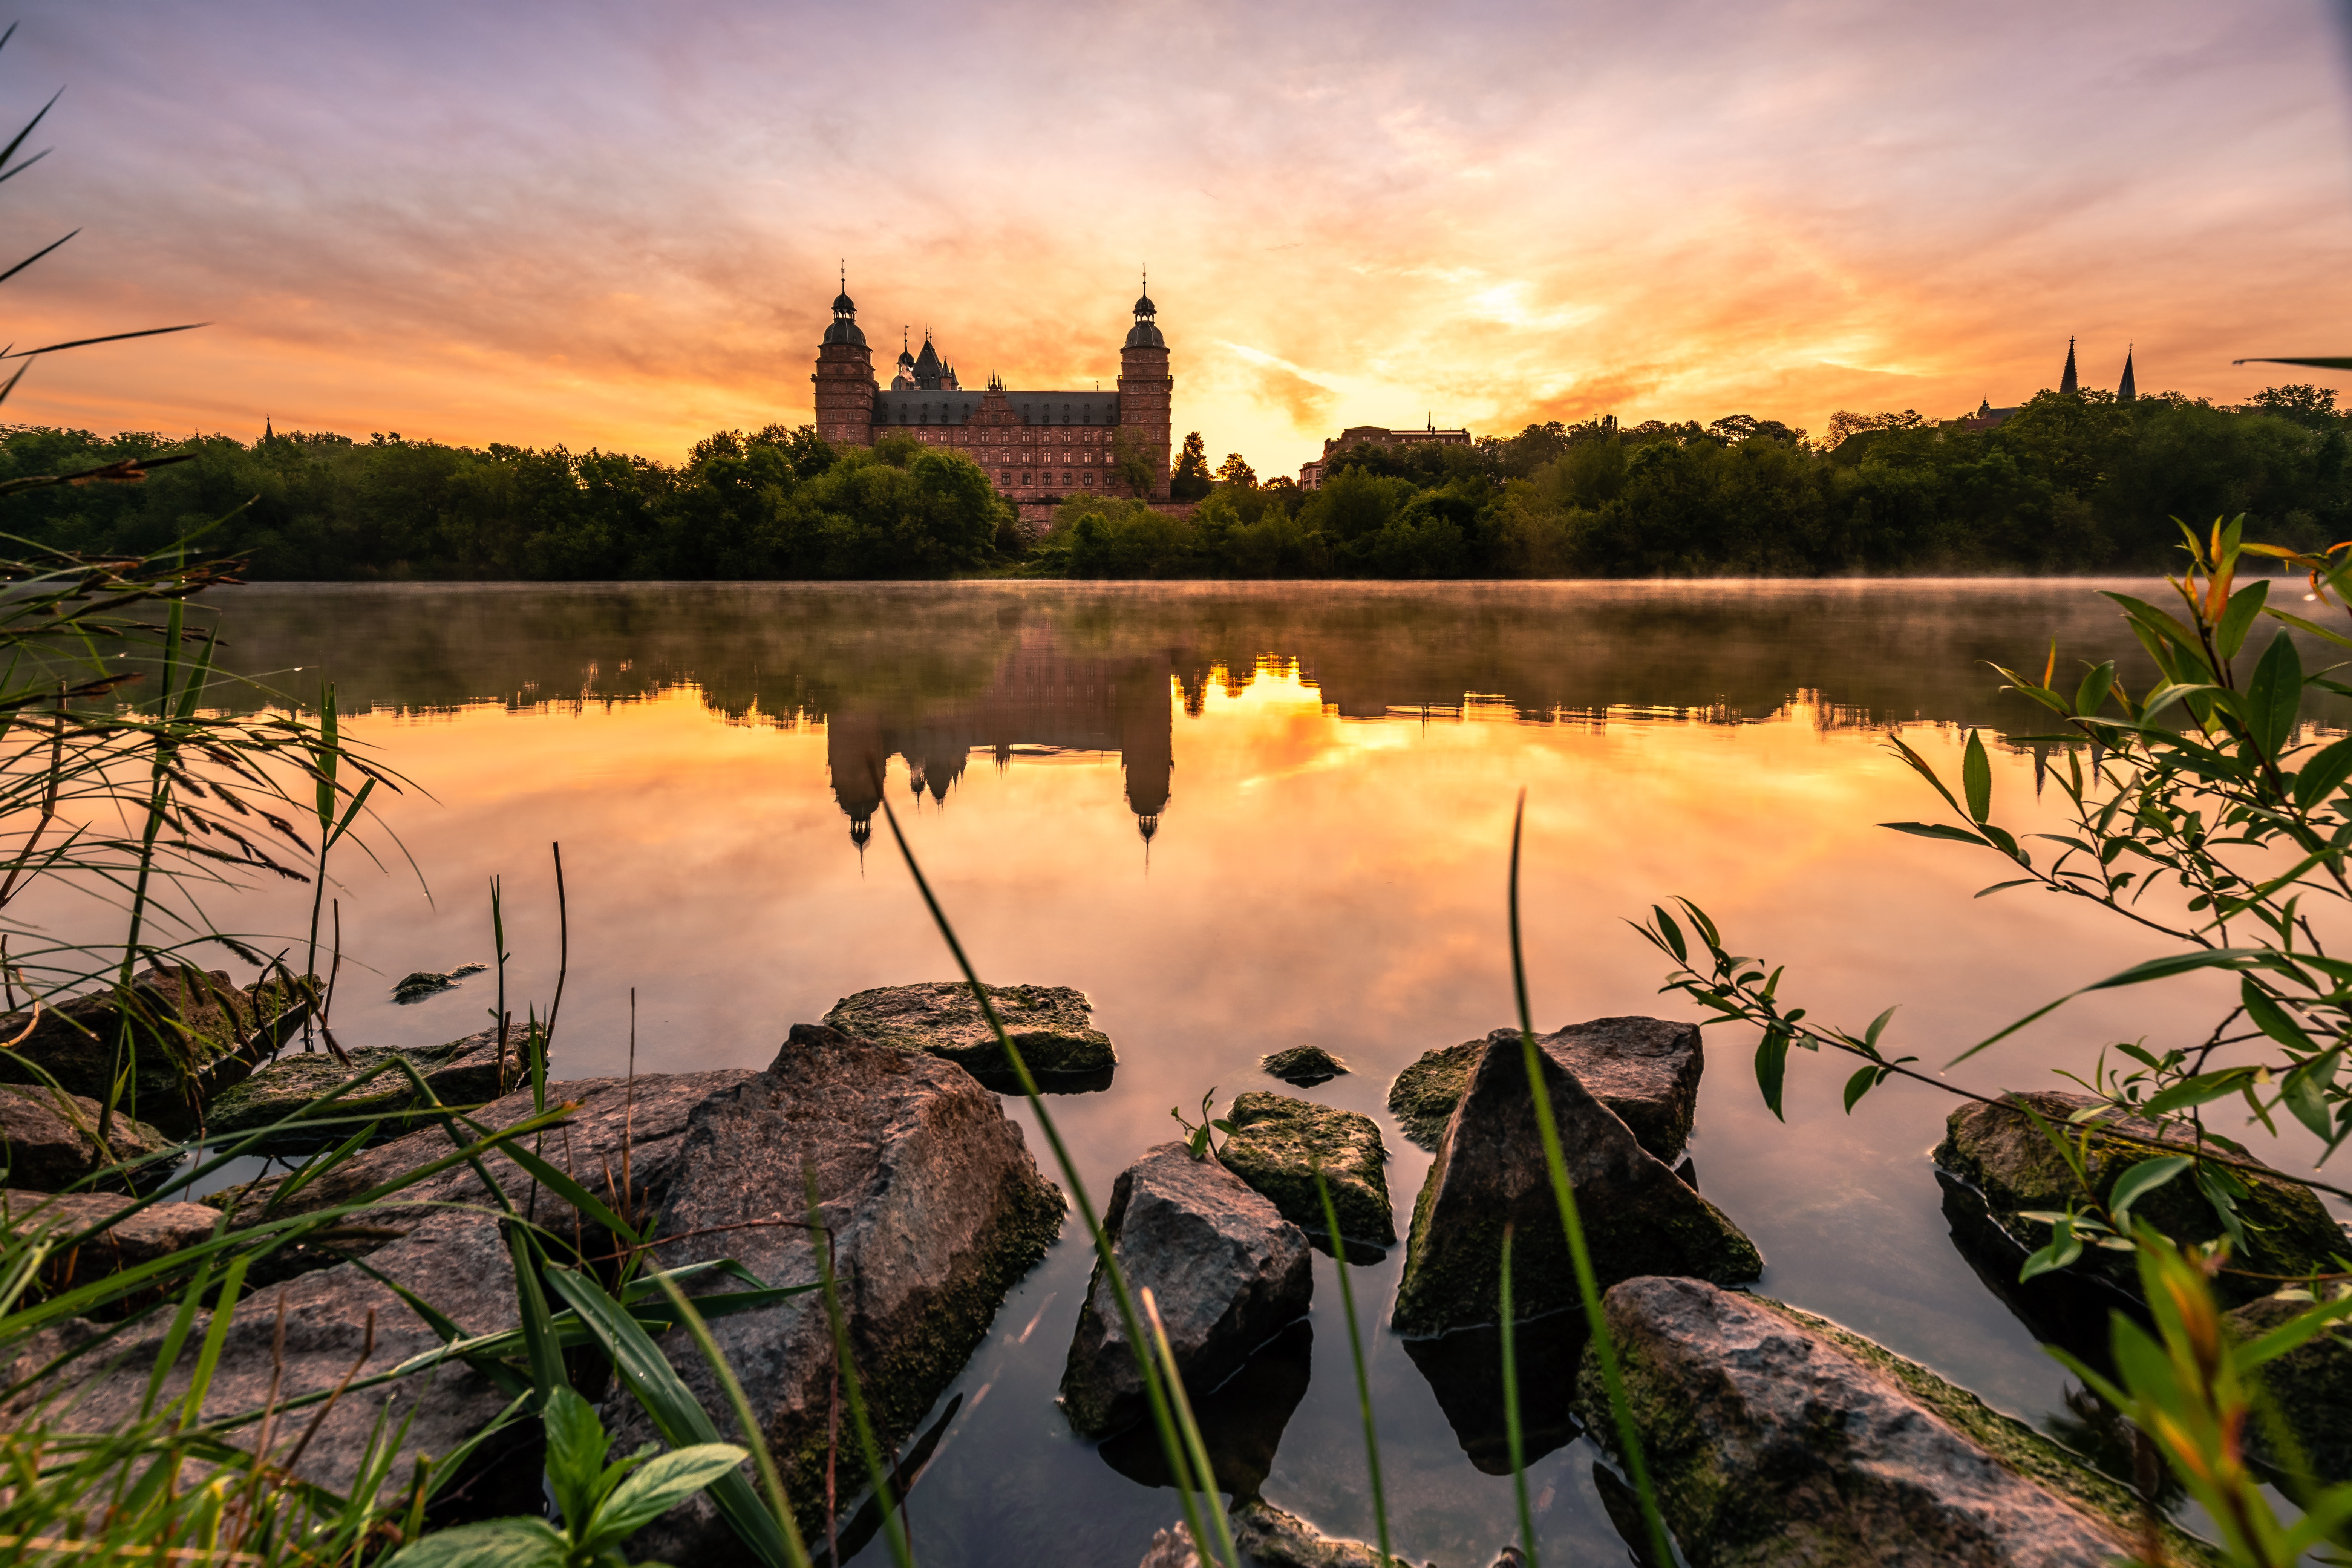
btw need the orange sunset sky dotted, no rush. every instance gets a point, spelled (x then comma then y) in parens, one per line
(618, 226)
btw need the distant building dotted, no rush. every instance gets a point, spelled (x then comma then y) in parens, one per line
(1310, 475)
(1039, 448)
(1988, 418)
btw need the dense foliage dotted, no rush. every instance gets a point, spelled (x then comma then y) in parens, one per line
(2072, 482)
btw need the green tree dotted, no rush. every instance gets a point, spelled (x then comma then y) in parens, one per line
(1191, 480)
(1237, 472)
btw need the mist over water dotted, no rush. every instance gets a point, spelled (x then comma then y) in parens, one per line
(1242, 818)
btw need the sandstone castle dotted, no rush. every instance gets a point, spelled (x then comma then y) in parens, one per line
(1039, 448)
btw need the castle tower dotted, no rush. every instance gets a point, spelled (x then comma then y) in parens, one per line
(2127, 388)
(1145, 394)
(845, 378)
(2066, 380)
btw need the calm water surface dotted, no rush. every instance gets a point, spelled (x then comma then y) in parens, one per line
(1243, 818)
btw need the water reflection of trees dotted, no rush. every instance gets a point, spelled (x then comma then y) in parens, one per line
(933, 673)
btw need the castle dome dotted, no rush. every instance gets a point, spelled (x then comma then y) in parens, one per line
(844, 331)
(1144, 335)
(1144, 307)
(843, 305)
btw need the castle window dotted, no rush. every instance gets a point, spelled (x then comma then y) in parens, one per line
(1090, 478)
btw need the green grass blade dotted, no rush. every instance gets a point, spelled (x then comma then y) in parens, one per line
(1629, 1437)
(1202, 1471)
(1356, 1349)
(877, 1474)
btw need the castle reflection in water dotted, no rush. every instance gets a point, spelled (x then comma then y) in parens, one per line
(1040, 701)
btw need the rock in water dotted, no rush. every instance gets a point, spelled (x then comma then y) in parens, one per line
(1638, 1217)
(462, 1072)
(936, 1208)
(1645, 1070)
(1053, 1025)
(44, 1145)
(2310, 1384)
(1226, 1268)
(2006, 1164)
(1274, 1150)
(188, 1028)
(1304, 1066)
(1776, 1437)
(156, 1231)
(426, 982)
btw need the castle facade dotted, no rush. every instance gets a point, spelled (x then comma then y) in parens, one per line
(1040, 448)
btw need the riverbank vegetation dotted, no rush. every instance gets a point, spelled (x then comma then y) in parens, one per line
(2071, 483)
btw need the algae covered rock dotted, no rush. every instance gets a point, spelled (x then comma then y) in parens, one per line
(425, 982)
(462, 1072)
(1053, 1025)
(2006, 1166)
(104, 1246)
(1774, 1436)
(1277, 1143)
(2311, 1385)
(1645, 1069)
(188, 1027)
(49, 1140)
(1269, 1537)
(1227, 1270)
(1638, 1217)
(1303, 1065)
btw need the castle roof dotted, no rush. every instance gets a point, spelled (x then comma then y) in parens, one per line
(1143, 334)
(914, 406)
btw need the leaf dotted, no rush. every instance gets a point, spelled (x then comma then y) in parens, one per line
(2137, 975)
(1976, 777)
(576, 1454)
(2304, 1094)
(1938, 830)
(2092, 695)
(1857, 1086)
(659, 1485)
(2270, 1018)
(2244, 605)
(2001, 887)
(493, 1543)
(2064, 1248)
(1772, 1067)
(1674, 934)
(2274, 696)
(2323, 775)
(2198, 1089)
(2141, 1179)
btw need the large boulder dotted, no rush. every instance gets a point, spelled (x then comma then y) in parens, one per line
(1775, 1437)
(189, 1029)
(85, 1240)
(935, 1208)
(1638, 1217)
(1226, 1269)
(48, 1139)
(2003, 1165)
(462, 1072)
(1276, 1145)
(437, 1239)
(1645, 1070)
(2310, 1386)
(1053, 1025)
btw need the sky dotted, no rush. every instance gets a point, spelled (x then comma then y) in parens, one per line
(619, 227)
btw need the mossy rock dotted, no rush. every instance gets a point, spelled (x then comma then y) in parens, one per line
(1303, 1065)
(1645, 1069)
(462, 1072)
(2310, 1385)
(2007, 1164)
(1423, 1096)
(1051, 1026)
(1275, 1149)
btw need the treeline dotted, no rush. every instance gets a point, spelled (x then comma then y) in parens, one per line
(2072, 482)
(776, 504)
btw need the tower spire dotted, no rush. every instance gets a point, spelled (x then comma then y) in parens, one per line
(2066, 380)
(2127, 388)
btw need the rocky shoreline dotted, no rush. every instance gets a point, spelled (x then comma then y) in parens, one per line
(933, 1208)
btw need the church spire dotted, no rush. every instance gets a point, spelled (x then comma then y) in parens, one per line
(2126, 389)
(2066, 380)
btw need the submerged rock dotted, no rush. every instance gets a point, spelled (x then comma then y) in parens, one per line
(2311, 1385)
(1464, 1372)
(156, 1231)
(936, 1208)
(1242, 1421)
(425, 982)
(1645, 1070)
(1774, 1436)
(46, 1145)
(1226, 1268)
(188, 1028)
(1303, 1065)
(1277, 1143)
(1052, 1026)
(462, 1072)
(1638, 1217)
(1268, 1537)
(2004, 1164)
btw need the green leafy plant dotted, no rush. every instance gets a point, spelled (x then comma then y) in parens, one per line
(600, 1505)
(1199, 1138)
